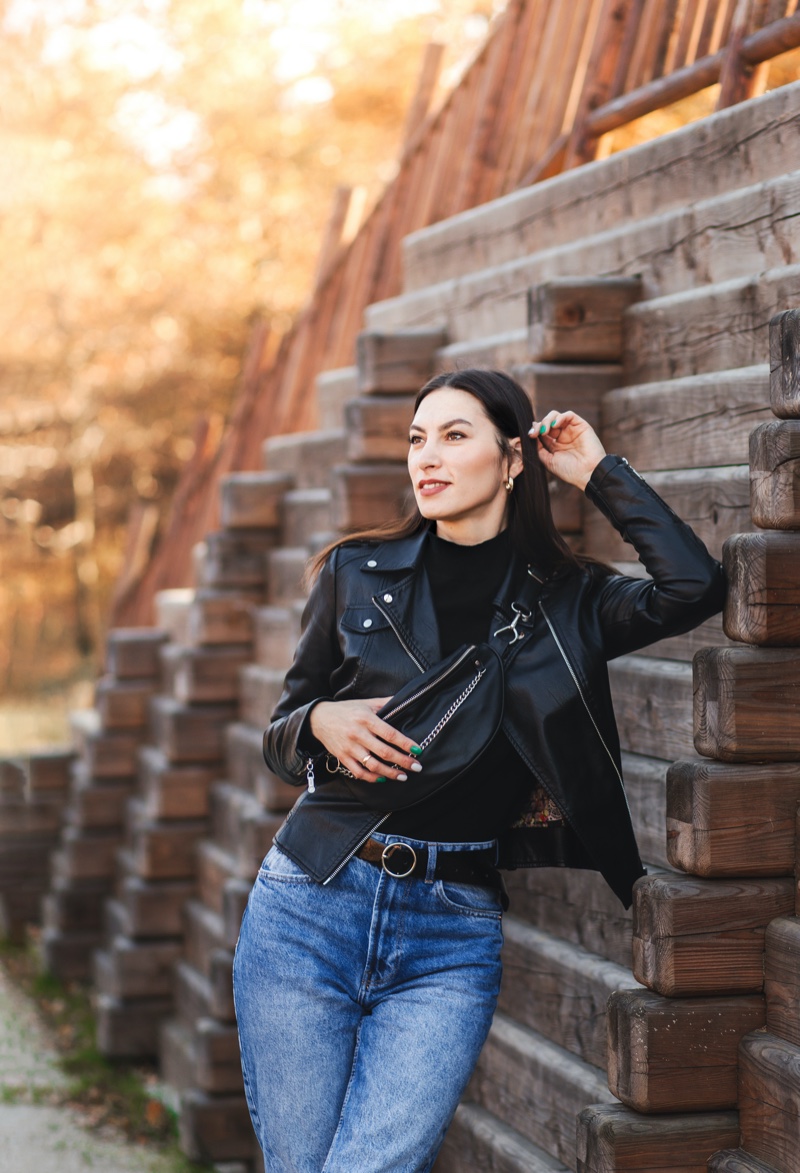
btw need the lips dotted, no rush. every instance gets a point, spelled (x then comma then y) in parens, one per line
(431, 488)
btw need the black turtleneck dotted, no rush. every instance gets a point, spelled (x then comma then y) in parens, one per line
(464, 582)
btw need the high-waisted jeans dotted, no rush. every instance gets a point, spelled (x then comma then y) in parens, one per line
(362, 1008)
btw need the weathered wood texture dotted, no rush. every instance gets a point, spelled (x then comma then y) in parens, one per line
(704, 937)
(230, 559)
(732, 820)
(714, 501)
(132, 652)
(366, 495)
(252, 500)
(377, 427)
(677, 1054)
(747, 704)
(653, 705)
(613, 1139)
(310, 456)
(699, 421)
(535, 1086)
(737, 1161)
(305, 513)
(562, 386)
(558, 989)
(769, 1100)
(219, 617)
(478, 1140)
(396, 363)
(215, 1128)
(709, 328)
(784, 364)
(579, 319)
(782, 978)
(763, 603)
(775, 474)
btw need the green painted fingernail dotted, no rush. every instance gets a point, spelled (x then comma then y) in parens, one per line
(416, 750)
(380, 779)
(552, 423)
(542, 429)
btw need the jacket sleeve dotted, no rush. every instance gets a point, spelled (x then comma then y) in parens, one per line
(288, 740)
(688, 585)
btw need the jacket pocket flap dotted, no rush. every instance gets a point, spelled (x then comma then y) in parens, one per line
(365, 619)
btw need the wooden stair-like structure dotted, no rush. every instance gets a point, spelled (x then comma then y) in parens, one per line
(638, 290)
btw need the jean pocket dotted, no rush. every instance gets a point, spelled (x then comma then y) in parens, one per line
(277, 866)
(472, 899)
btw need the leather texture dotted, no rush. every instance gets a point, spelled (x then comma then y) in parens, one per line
(369, 628)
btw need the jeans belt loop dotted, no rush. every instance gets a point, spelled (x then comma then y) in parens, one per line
(430, 873)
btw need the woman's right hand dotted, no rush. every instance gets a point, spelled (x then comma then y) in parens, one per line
(351, 732)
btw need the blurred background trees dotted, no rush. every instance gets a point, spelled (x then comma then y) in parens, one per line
(167, 171)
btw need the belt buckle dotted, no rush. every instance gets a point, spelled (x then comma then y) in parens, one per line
(389, 851)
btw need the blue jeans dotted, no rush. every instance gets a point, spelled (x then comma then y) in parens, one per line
(362, 1008)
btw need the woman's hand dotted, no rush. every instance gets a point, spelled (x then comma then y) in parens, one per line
(351, 732)
(568, 447)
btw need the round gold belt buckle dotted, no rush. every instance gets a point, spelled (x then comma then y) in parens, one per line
(387, 854)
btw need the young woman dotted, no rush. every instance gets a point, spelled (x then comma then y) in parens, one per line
(368, 965)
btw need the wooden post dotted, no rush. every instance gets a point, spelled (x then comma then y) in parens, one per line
(579, 319)
(784, 364)
(740, 80)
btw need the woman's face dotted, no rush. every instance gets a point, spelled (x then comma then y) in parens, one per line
(457, 467)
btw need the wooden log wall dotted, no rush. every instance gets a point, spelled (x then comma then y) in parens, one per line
(511, 121)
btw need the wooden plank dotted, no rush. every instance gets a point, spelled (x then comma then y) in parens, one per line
(613, 1139)
(215, 1128)
(221, 617)
(132, 652)
(714, 501)
(653, 705)
(123, 704)
(396, 363)
(287, 575)
(218, 1066)
(68, 956)
(677, 1054)
(172, 791)
(579, 319)
(573, 905)
(276, 636)
(126, 1031)
(86, 855)
(136, 969)
(164, 850)
(235, 894)
(251, 500)
(697, 421)
(568, 387)
(747, 704)
(189, 734)
(309, 456)
(208, 675)
(763, 602)
(782, 978)
(204, 935)
(305, 513)
(73, 910)
(153, 909)
(784, 364)
(377, 428)
(105, 755)
(769, 1100)
(247, 768)
(366, 495)
(694, 937)
(558, 989)
(233, 559)
(537, 1087)
(645, 787)
(478, 1140)
(97, 804)
(732, 820)
(774, 476)
(215, 866)
(737, 1161)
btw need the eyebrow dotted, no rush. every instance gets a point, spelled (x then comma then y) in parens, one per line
(444, 427)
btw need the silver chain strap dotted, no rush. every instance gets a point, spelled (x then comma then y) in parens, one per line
(456, 705)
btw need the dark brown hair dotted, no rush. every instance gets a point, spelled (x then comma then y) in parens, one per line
(530, 518)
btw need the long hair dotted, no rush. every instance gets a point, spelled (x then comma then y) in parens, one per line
(530, 518)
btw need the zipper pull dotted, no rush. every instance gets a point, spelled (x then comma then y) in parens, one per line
(312, 786)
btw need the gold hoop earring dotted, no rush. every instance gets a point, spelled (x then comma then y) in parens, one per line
(509, 485)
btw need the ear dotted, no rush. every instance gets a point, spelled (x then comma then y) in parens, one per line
(515, 464)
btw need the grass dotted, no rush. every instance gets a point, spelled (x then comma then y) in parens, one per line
(107, 1094)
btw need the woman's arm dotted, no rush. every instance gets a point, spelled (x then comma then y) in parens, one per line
(688, 585)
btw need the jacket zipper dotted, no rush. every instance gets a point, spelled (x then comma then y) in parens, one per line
(357, 847)
(431, 683)
(585, 703)
(393, 626)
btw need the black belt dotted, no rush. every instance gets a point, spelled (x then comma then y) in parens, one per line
(402, 861)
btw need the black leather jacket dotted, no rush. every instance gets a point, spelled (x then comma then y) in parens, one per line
(370, 625)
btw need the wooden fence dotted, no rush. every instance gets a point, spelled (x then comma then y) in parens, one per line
(551, 80)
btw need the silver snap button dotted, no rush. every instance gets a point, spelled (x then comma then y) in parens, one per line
(387, 598)
(372, 562)
(367, 623)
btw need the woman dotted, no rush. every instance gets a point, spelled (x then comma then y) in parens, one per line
(368, 965)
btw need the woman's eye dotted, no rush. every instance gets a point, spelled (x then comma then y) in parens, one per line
(414, 440)
(455, 435)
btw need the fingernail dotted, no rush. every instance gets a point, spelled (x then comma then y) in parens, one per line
(542, 429)
(552, 423)
(380, 778)
(415, 750)
(402, 777)
(416, 767)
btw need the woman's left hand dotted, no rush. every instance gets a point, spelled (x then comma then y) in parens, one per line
(568, 447)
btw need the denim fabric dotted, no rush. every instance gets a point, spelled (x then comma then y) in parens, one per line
(362, 1008)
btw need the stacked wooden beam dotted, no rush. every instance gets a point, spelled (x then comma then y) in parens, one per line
(107, 739)
(159, 870)
(33, 790)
